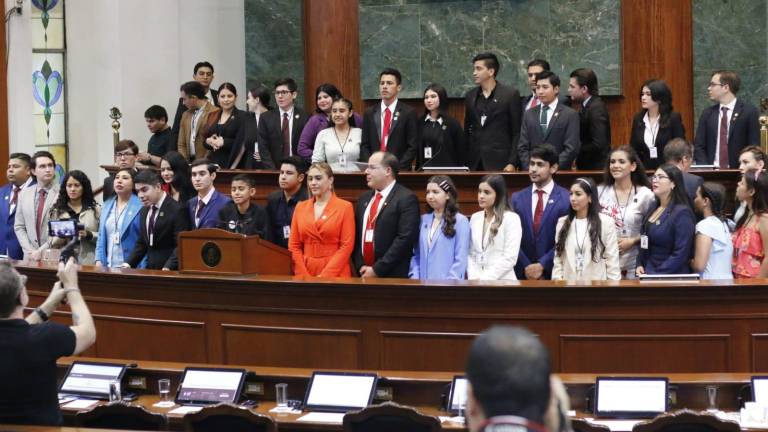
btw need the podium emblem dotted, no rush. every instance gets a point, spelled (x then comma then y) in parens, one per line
(211, 254)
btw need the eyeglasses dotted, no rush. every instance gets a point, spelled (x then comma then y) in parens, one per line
(121, 155)
(282, 92)
(657, 177)
(714, 84)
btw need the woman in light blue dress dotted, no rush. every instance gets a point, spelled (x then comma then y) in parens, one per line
(714, 247)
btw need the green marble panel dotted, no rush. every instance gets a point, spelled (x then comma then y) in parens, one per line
(274, 44)
(730, 34)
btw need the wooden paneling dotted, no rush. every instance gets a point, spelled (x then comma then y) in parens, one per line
(759, 349)
(397, 349)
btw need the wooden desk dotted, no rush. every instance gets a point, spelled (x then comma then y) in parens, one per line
(385, 324)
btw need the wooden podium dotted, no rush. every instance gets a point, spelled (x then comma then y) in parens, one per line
(215, 251)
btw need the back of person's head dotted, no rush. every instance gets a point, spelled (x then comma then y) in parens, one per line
(757, 181)
(261, 93)
(288, 82)
(394, 72)
(550, 76)
(156, 112)
(545, 152)
(729, 78)
(245, 178)
(678, 194)
(586, 77)
(490, 61)
(508, 371)
(201, 64)
(539, 62)
(193, 88)
(715, 193)
(638, 176)
(10, 290)
(388, 160)
(297, 162)
(210, 166)
(676, 150)
(39, 154)
(124, 145)
(148, 177)
(23, 157)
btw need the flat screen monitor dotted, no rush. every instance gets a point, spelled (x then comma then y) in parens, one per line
(340, 391)
(630, 397)
(760, 389)
(457, 400)
(91, 379)
(207, 386)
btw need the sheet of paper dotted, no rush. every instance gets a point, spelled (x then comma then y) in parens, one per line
(80, 404)
(617, 425)
(286, 410)
(185, 410)
(319, 417)
(457, 419)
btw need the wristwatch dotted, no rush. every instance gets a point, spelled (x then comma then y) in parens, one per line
(43, 316)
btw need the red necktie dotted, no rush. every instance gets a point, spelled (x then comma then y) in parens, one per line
(368, 255)
(534, 102)
(385, 128)
(723, 153)
(40, 207)
(286, 136)
(539, 211)
(14, 196)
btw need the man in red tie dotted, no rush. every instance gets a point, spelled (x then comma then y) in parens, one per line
(34, 205)
(280, 129)
(387, 221)
(19, 177)
(390, 126)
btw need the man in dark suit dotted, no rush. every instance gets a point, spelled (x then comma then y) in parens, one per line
(19, 175)
(387, 221)
(533, 69)
(280, 129)
(728, 126)
(390, 126)
(679, 153)
(203, 73)
(539, 207)
(282, 202)
(595, 123)
(126, 156)
(162, 220)
(203, 210)
(491, 119)
(550, 122)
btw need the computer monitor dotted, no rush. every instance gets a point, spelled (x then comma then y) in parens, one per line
(457, 399)
(207, 386)
(91, 379)
(630, 397)
(340, 391)
(760, 389)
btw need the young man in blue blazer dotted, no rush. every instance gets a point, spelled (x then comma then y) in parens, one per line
(204, 209)
(539, 207)
(19, 176)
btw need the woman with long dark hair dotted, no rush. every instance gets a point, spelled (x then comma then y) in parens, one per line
(495, 233)
(666, 242)
(325, 94)
(625, 196)
(656, 124)
(222, 137)
(750, 240)
(76, 202)
(585, 246)
(177, 177)
(714, 247)
(443, 245)
(441, 137)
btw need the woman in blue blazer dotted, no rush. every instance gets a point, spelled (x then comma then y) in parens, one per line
(668, 232)
(119, 224)
(443, 246)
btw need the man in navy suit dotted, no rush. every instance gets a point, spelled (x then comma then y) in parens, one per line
(19, 176)
(728, 126)
(539, 207)
(679, 153)
(204, 208)
(551, 122)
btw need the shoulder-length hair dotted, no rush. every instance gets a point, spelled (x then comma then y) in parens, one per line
(678, 194)
(499, 186)
(638, 176)
(662, 95)
(757, 181)
(87, 200)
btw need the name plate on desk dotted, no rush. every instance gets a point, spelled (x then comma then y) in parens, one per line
(629, 397)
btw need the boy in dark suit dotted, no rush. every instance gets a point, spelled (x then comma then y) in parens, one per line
(280, 129)
(204, 209)
(539, 207)
(241, 215)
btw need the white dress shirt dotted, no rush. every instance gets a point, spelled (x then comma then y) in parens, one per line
(547, 194)
(730, 107)
(384, 194)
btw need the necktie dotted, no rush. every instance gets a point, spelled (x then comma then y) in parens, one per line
(723, 153)
(368, 255)
(14, 197)
(200, 206)
(539, 211)
(385, 128)
(151, 225)
(40, 207)
(534, 102)
(543, 118)
(286, 136)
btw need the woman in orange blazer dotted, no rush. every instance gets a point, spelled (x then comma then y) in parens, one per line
(322, 229)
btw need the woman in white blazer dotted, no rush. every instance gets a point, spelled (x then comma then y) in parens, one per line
(585, 245)
(495, 233)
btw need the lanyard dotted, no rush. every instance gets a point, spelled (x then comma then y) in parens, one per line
(623, 213)
(345, 139)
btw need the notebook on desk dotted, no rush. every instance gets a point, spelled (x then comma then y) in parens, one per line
(209, 386)
(330, 395)
(630, 397)
(90, 379)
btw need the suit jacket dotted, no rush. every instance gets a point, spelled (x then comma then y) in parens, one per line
(493, 144)
(169, 222)
(539, 248)
(447, 257)
(255, 221)
(403, 134)
(446, 142)
(26, 215)
(395, 233)
(209, 216)
(562, 132)
(607, 265)
(595, 132)
(9, 244)
(692, 183)
(743, 131)
(561, 99)
(181, 109)
(129, 229)
(247, 144)
(674, 129)
(322, 247)
(277, 220)
(670, 241)
(232, 133)
(206, 120)
(270, 136)
(500, 255)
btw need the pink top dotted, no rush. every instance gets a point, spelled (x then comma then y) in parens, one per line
(747, 251)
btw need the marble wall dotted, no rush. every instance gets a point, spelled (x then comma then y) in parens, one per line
(435, 40)
(730, 34)
(274, 44)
